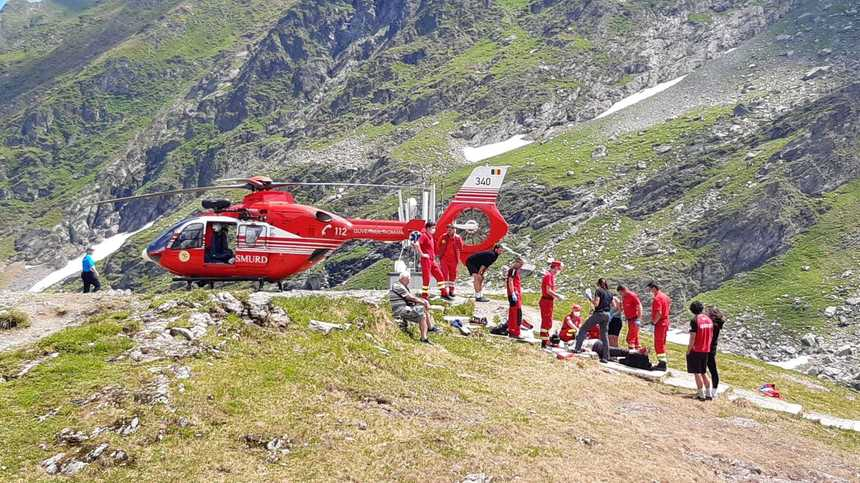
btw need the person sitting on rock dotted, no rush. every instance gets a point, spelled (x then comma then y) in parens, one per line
(409, 308)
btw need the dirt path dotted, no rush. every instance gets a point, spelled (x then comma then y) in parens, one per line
(50, 313)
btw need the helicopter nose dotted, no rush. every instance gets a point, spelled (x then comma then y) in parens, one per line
(145, 256)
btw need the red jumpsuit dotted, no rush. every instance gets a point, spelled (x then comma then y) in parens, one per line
(660, 304)
(546, 306)
(450, 248)
(570, 326)
(630, 305)
(515, 310)
(428, 265)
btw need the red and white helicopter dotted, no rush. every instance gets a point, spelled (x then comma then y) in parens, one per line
(268, 237)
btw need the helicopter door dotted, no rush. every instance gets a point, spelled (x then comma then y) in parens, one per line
(251, 244)
(220, 242)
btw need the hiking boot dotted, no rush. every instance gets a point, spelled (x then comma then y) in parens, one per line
(661, 366)
(482, 299)
(604, 361)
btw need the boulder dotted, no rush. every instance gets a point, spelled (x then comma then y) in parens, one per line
(853, 301)
(228, 302)
(181, 332)
(830, 311)
(816, 72)
(844, 351)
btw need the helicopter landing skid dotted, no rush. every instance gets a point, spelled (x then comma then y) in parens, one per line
(210, 281)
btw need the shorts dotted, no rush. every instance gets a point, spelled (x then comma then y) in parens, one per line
(411, 314)
(615, 326)
(473, 269)
(697, 362)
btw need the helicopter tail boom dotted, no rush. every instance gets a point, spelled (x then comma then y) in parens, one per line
(383, 230)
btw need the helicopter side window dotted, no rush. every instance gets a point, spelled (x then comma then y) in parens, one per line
(220, 250)
(191, 237)
(249, 235)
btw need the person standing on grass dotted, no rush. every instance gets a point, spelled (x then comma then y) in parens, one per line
(89, 275)
(632, 308)
(660, 318)
(426, 248)
(615, 322)
(718, 319)
(478, 264)
(601, 304)
(547, 300)
(514, 286)
(699, 349)
(450, 247)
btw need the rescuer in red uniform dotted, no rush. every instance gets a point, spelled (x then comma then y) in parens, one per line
(548, 296)
(427, 253)
(571, 324)
(514, 286)
(450, 247)
(660, 318)
(632, 308)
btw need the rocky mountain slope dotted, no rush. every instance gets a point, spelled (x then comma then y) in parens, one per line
(738, 183)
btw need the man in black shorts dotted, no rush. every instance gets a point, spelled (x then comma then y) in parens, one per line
(699, 348)
(478, 263)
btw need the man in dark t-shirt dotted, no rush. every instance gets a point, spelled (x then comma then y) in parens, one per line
(601, 302)
(478, 263)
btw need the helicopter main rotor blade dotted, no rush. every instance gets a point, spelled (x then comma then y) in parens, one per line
(277, 184)
(173, 192)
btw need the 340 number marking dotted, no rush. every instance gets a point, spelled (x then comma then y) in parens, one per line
(482, 181)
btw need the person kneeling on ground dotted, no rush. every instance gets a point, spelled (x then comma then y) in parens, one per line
(699, 349)
(570, 326)
(408, 307)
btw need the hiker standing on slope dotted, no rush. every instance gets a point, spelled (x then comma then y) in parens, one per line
(89, 275)
(514, 286)
(660, 306)
(450, 247)
(632, 308)
(718, 319)
(426, 249)
(601, 303)
(547, 300)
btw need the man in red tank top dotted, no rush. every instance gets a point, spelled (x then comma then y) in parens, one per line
(699, 349)
(548, 296)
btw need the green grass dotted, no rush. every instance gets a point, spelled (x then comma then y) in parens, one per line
(372, 277)
(773, 287)
(363, 394)
(430, 145)
(701, 18)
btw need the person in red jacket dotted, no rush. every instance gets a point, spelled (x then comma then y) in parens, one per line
(548, 296)
(450, 248)
(571, 324)
(514, 286)
(632, 308)
(660, 318)
(425, 246)
(699, 349)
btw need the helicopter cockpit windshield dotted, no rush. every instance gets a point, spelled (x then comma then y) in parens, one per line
(161, 242)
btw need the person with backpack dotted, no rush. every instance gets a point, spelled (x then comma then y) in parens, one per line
(699, 349)
(601, 303)
(718, 319)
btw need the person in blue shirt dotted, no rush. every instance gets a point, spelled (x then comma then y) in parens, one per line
(89, 275)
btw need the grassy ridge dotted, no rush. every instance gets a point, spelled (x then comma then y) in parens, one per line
(364, 396)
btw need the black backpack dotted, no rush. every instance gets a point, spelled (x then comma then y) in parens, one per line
(501, 329)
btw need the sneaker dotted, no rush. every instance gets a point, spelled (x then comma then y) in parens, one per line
(449, 298)
(709, 398)
(482, 299)
(434, 330)
(604, 361)
(661, 366)
(426, 341)
(527, 325)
